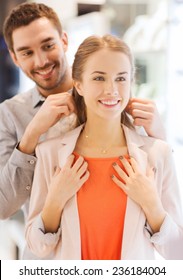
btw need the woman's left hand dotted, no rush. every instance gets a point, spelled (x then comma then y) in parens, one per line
(141, 188)
(134, 183)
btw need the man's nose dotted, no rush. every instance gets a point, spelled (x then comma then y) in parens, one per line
(40, 60)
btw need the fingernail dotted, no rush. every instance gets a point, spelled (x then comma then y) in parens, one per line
(121, 157)
(154, 169)
(114, 164)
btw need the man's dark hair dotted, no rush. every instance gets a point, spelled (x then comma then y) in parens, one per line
(23, 15)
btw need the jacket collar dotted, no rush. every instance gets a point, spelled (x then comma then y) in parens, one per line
(134, 143)
(37, 98)
(134, 214)
(131, 136)
(68, 142)
(71, 137)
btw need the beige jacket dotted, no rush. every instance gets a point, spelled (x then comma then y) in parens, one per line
(138, 242)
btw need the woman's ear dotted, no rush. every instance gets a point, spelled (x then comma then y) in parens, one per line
(78, 87)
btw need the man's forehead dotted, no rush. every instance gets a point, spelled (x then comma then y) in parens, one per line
(34, 33)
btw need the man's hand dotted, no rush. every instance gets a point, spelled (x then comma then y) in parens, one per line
(55, 107)
(145, 113)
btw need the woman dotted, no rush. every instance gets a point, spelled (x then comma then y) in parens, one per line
(102, 191)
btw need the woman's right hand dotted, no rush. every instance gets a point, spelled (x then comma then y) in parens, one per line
(65, 183)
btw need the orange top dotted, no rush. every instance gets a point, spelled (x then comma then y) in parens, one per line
(101, 206)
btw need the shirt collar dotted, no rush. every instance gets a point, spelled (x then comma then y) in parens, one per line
(37, 98)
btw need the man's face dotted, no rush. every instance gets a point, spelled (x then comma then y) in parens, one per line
(40, 52)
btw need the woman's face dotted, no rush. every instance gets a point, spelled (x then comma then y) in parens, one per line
(106, 84)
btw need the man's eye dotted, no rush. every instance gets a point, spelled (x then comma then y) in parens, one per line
(28, 53)
(48, 47)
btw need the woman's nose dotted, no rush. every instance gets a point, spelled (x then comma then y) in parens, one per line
(111, 89)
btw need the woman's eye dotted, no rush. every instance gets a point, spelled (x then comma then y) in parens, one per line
(99, 79)
(120, 79)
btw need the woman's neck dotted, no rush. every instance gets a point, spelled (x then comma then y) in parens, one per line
(101, 139)
(104, 132)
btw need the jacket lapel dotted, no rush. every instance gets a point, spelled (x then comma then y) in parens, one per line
(135, 146)
(71, 245)
(71, 237)
(134, 214)
(68, 144)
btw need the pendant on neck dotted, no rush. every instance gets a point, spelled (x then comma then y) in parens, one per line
(101, 149)
(104, 151)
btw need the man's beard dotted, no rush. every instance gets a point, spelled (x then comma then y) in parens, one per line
(61, 77)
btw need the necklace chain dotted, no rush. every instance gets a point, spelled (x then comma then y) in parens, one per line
(103, 150)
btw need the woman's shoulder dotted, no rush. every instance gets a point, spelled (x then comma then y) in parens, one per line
(55, 143)
(150, 143)
(155, 144)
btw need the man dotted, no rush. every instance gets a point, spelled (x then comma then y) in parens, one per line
(37, 44)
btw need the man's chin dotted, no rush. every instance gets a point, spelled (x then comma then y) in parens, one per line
(47, 87)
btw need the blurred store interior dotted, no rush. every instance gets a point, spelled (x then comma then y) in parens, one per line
(152, 28)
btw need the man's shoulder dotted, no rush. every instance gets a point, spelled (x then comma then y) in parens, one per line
(20, 99)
